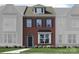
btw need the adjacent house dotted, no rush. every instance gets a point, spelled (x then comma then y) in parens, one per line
(11, 25)
(67, 27)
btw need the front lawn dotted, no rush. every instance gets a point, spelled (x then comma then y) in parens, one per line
(7, 49)
(52, 50)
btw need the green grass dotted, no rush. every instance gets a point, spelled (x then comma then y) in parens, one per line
(7, 49)
(52, 50)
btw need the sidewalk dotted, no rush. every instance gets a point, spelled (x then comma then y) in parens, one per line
(17, 51)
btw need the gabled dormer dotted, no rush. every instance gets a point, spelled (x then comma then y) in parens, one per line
(39, 9)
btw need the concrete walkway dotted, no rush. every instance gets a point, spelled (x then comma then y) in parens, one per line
(17, 51)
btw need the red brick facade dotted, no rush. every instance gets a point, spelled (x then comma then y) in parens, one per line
(34, 30)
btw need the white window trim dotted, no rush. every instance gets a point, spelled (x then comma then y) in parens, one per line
(44, 33)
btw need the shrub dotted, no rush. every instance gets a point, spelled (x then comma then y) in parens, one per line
(15, 47)
(6, 47)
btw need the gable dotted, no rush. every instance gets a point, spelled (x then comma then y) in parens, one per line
(74, 10)
(48, 12)
(9, 8)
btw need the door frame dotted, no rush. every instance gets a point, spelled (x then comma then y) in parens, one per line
(32, 40)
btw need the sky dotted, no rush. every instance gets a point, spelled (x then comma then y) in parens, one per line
(57, 5)
(53, 3)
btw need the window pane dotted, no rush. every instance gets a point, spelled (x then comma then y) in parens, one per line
(60, 38)
(46, 38)
(48, 22)
(39, 22)
(69, 38)
(9, 38)
(29, 23)
(74, 38)
(5, 38)
(41, 40)
(41, 35)
(39, 10)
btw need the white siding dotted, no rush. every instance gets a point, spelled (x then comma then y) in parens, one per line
(9, 22)
(10, 27)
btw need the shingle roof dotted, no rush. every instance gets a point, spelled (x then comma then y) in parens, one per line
(38, 5)
(62, 11)
(20, 9)
(50, 11)
(75, 10)
(30, 11)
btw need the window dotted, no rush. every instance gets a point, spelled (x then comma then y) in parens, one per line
(69, 38)
(39, 10)
(29, 23)
(48, 23)
(9, 38)
(5, 38)
(1, 38)
(38, 22)
(60, 38)
(14, 37)
(44, 38)
(72, 38)
(41, 38)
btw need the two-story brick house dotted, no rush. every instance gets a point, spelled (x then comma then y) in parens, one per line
(39, 26)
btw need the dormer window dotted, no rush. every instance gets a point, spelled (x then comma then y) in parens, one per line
(39, 10)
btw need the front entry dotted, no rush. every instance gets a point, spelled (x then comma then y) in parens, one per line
(30, 41)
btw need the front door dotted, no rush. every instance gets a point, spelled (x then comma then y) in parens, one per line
(30, 41)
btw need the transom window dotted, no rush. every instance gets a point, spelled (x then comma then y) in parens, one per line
(38, 22)
(48, 23)
(44, 38)
(29, 22)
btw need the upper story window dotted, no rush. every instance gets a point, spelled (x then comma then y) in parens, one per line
(29, 22)
(38, 22)
(49, 23)
(39, 10)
